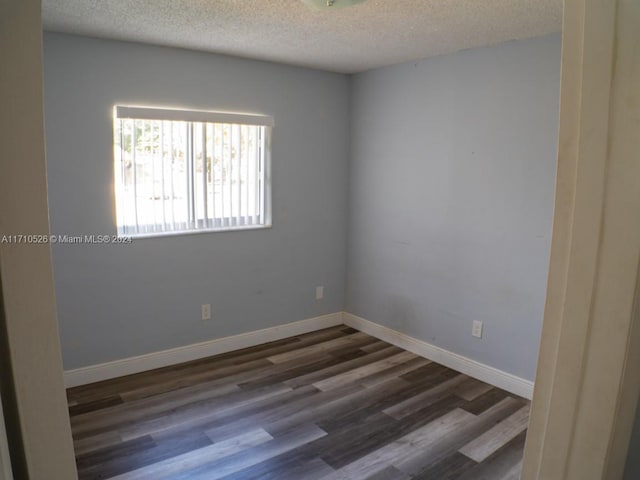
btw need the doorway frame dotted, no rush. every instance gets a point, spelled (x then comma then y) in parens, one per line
(588, 375)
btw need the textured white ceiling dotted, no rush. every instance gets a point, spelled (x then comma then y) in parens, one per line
(369, 35)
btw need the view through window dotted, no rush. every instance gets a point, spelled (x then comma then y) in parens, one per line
(181, 171)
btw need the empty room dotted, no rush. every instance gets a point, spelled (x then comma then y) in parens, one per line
(319, 239)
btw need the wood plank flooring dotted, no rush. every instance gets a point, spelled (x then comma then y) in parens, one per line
(334, 404)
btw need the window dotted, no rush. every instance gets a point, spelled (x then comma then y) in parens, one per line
(180, 171)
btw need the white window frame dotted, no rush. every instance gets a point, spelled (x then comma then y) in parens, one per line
(193, 224)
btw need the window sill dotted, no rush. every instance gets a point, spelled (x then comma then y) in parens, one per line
(138, 236)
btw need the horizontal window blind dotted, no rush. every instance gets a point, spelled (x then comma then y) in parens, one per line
(181, 170)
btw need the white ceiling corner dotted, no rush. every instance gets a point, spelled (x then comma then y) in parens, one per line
(372, 34)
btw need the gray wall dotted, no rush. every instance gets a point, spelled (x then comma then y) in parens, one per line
(119, 301)
(452, 172)
(447, 176)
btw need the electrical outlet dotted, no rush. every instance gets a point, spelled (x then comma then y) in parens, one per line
(319, 292)
(476, 330)
(206, 311)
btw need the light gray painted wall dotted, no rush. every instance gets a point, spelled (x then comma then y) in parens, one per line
(452, 166)
(120, 301)
(452, 172)
(632, 468)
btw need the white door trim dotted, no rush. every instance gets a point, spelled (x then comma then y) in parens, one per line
(583, 386)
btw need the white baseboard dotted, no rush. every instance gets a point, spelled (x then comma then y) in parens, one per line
(485, 373)
(127, 366)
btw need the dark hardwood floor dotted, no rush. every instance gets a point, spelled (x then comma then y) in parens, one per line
(333, 404)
